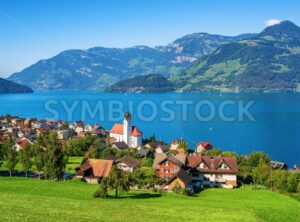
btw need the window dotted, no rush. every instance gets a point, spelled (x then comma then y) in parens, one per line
(176, 168)
(167, 163)
(195, 174)
(224, 166)
(167, 171)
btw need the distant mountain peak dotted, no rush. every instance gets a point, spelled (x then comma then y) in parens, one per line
(283, 29)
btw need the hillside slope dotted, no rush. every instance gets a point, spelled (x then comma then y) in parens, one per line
(11, 87)
(154, 83)
(267, 62)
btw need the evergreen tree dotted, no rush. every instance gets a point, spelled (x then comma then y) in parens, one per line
(55, 160)
(11, 155)
(25, 158)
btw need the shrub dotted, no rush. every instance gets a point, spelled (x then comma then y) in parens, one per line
(187, 192)
(177, 188)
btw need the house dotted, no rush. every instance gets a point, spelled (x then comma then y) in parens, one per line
(93, 170)
(17, 121)
(63, 134)
(127, 164)
(153, 145)
(168, 165)
(216, 171)
(278, 165)
(181, 179)
(22, 143)
(83, 134)
(161, 149)
(119, 146)
(203, 146)
(127, 133)
(143, 152)
(295, 169)
(175, 147)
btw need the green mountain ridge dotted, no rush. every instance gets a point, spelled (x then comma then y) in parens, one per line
(153, 83)
(268, 62)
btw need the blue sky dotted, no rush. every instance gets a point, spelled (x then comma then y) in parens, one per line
(37, 29)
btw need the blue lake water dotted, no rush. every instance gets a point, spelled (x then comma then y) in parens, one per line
(275, 128)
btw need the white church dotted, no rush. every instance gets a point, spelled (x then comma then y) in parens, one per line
(127, 133)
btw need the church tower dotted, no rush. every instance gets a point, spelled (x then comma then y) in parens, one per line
(127, 128)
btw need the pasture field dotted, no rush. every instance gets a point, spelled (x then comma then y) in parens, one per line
(40, 200)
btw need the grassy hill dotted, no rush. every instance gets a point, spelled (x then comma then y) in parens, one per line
(33, 200)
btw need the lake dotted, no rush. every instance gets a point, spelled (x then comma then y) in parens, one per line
(241, 122)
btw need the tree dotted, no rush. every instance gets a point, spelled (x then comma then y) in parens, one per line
(279, 179)
(79, 146)
(261, 174)
(229, 154)
(213, 152)
(1, 154)
(25, 158)
(256, 158)
(55, 160)
(39, 157)
(244, 172)
(102, 190)
(108, 152)
(11, 155)
(182, 144)
(152, 138)
(147, 162)
(292, 182)
(119, 180)
(64, 127)
(145, 176)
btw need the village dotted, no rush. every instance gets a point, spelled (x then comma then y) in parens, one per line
(175, 165)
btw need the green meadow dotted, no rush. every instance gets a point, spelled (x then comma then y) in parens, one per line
(40, 200)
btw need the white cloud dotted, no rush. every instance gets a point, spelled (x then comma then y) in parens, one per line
(271, 22)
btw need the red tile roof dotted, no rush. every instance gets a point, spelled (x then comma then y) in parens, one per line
(213, 163)
(100, 168)
(23, 143)
(118, 129)
(206, 145)
(136, 132)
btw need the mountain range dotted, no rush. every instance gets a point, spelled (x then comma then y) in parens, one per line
(98, 68)
(267, 61)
